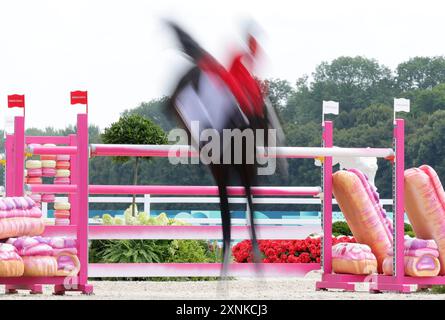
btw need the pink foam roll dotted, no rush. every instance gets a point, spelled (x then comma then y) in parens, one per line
(35, 172)
(63, 165)
(48, 172)
(36, 197)
(47, 157)
(60, 180)
(62, 214)
(34, 180)
(39, 249)
(48, 197)
(63, 157)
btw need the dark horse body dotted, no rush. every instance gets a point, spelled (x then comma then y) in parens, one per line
(190, 102)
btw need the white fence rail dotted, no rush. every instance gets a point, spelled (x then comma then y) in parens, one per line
(147, 200)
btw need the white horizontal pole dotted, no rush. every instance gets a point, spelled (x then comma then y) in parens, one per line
(286, 152)
(241, 200)
(236, 221)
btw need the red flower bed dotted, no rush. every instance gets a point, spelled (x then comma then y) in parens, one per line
(284, 251)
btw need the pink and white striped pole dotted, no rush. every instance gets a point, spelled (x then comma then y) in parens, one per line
(327, 199)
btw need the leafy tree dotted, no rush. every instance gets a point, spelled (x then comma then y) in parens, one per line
(156, 111)
(421, 73)
(427, 100)
(278, 92)
(354, 81)
(427, 145)
(133, 129)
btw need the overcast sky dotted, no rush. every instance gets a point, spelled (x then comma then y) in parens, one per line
(120, 52)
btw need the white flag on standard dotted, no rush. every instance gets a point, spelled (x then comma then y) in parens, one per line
(330, 107)
(401, 104)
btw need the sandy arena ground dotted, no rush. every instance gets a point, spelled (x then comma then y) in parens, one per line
(265, 289)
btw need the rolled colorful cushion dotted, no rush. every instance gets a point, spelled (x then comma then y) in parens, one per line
(353, 258)
(50, 157)
(11, 264)
(425, 206)
(62, 205)
(21, 226)
(36, 197)
(35, 180)
(63, 157)
(48, 164)
(48, 197)
(33, 164)
(63, 173)
(420, 259)
(35, 172)
(63, 165)
(40, 266)
(62, 214)
(62, 222)
(359, 203)
(62, 242)
(59, 180)
(48, 172)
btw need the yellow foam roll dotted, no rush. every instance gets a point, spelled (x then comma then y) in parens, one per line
(62, 206)
(63, 173)
(33, 164)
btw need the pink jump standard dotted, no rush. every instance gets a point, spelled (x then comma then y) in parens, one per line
(375, 283)
(77, 191)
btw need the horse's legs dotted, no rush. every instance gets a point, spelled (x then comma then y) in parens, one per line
(220, 173)
(247, 175)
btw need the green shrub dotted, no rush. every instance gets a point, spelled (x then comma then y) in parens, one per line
(341, 228)
(154, 251)
(438, 289)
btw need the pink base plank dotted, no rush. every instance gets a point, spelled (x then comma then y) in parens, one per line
(30, 281)
(85, 289)
(33, 289)
(199, 269)
(379, 282)
(346, 286)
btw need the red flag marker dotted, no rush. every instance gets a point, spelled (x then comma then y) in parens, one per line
(79, 97)
(16, 101)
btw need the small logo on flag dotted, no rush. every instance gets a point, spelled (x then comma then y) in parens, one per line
(401, 104)
(330, 107)
(79, 97)
(16, 101)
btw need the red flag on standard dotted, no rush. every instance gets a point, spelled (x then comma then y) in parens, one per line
(79, 97)
(16, 101)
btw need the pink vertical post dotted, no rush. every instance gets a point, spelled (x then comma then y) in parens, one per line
(9, 148)
(327, 199)
(399, 200)
(19, 155)
(82, 196)
(73, 197)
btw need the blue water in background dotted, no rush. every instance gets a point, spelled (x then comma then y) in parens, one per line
(202, 214)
